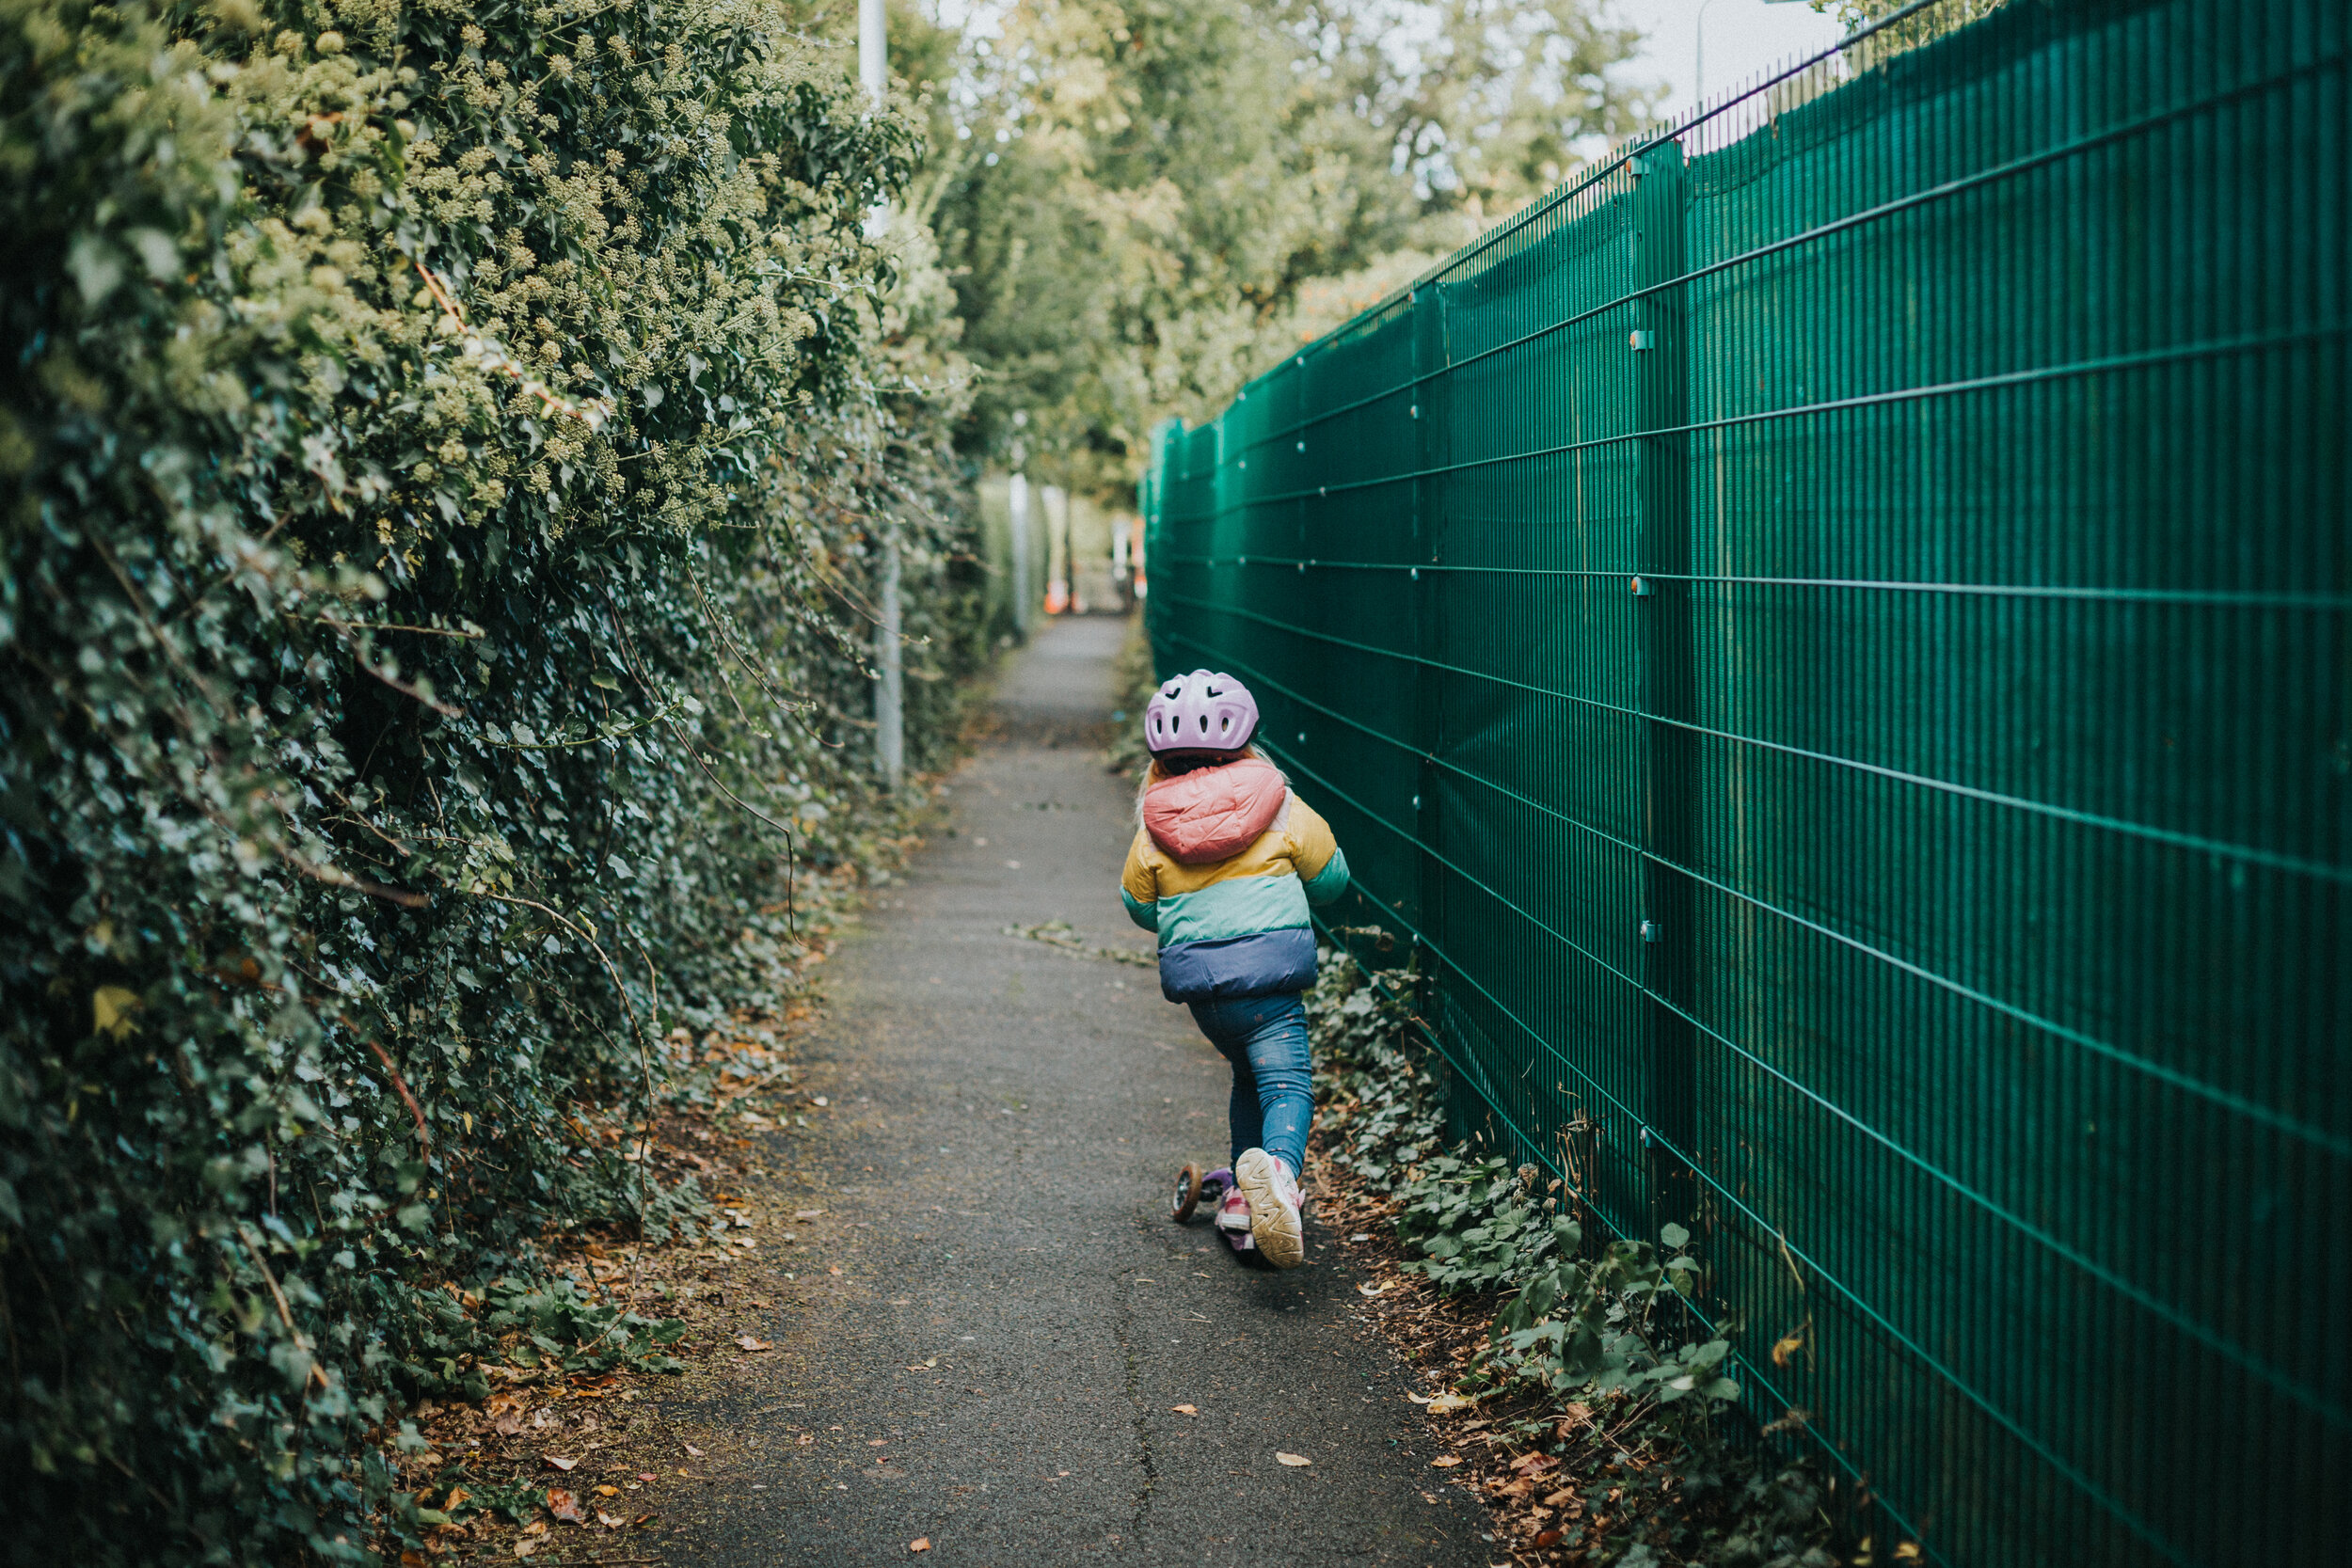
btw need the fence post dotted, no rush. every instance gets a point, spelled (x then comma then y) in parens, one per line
(1431, 399)
(1657, 345)
(1428, 406)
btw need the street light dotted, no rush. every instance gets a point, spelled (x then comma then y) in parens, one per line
(890, 743)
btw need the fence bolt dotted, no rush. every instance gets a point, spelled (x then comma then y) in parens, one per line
(1302, 568)
(1643, 588)
(1652, 930)
(1417, 802)
(1302, 446)
(1417, 410)
(1302, 738)
(1416, 573)
(1642, 339)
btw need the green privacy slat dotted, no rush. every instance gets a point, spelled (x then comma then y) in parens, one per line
(1893, 539)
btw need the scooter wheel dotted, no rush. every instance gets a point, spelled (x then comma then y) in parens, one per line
(1187, 1197)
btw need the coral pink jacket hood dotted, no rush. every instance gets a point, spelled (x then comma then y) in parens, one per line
(1211, 812)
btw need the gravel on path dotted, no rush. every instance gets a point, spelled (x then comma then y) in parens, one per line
(997, 1367)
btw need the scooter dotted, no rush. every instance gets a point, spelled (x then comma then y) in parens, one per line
(1196, 1190)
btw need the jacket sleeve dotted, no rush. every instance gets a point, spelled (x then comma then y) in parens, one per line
(1316, 853)
(1139, 888)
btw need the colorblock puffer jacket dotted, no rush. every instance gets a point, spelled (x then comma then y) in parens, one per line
(1224, 867)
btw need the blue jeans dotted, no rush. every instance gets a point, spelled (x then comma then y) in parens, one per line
(1265, 1038)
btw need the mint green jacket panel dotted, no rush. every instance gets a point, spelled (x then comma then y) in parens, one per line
(1239, 908)
(1329, 882)
(1143, 914)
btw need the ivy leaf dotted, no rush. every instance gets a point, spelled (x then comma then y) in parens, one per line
(95, 265)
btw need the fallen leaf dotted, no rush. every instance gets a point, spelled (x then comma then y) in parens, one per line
(920, 1543)
(833, 1270)
(807, 1437)
(647, 1475)
(609, 1521)
(1535, 1464)
(1445, 1404)
(1418, 1399)
(607, 1491)
(1518, 1488)
(1547, 1538)
(695, 1451)
(558, 1461)
(749, 1343)
(526, 1546)
(509, 1424)
(565, 1506)
(1445, 1461)
(878, 1442)
(808, 1213)
(1293, 1460)
(1185, 1409)
(536, 1527)
(457, 1494)
(1370, 1290)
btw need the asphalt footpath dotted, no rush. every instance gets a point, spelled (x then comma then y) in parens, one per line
(1021, 1360)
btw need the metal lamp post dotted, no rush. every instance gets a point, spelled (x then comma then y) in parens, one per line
(890, 736)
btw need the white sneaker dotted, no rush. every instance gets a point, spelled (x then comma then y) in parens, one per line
(1274, 1199)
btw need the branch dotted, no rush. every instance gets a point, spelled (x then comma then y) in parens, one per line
(424, 1135)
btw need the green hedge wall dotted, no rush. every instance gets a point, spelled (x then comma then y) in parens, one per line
(439, 461)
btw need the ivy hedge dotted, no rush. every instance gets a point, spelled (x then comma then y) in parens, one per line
(1584, 1322)
(441, 460)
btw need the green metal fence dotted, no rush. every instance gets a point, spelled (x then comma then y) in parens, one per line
(1834, 634)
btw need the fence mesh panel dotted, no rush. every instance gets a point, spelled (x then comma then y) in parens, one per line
(1832, 636)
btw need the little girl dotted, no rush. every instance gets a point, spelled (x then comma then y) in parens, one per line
(1225, 862)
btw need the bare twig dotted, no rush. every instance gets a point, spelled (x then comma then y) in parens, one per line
(424, 1134)
(335, 876)
(285, 1313)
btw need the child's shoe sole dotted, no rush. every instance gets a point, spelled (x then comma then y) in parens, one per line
(1276, 1224)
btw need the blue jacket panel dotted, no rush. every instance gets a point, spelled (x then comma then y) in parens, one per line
(1254, 965)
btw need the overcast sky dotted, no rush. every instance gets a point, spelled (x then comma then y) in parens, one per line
(1740, 38)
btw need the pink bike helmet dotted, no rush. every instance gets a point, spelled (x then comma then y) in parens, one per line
(1201, 717)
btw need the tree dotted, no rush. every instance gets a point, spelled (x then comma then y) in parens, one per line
(1144, 202)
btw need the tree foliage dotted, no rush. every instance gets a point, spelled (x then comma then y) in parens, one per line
(441, 467)
(1150, 199)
